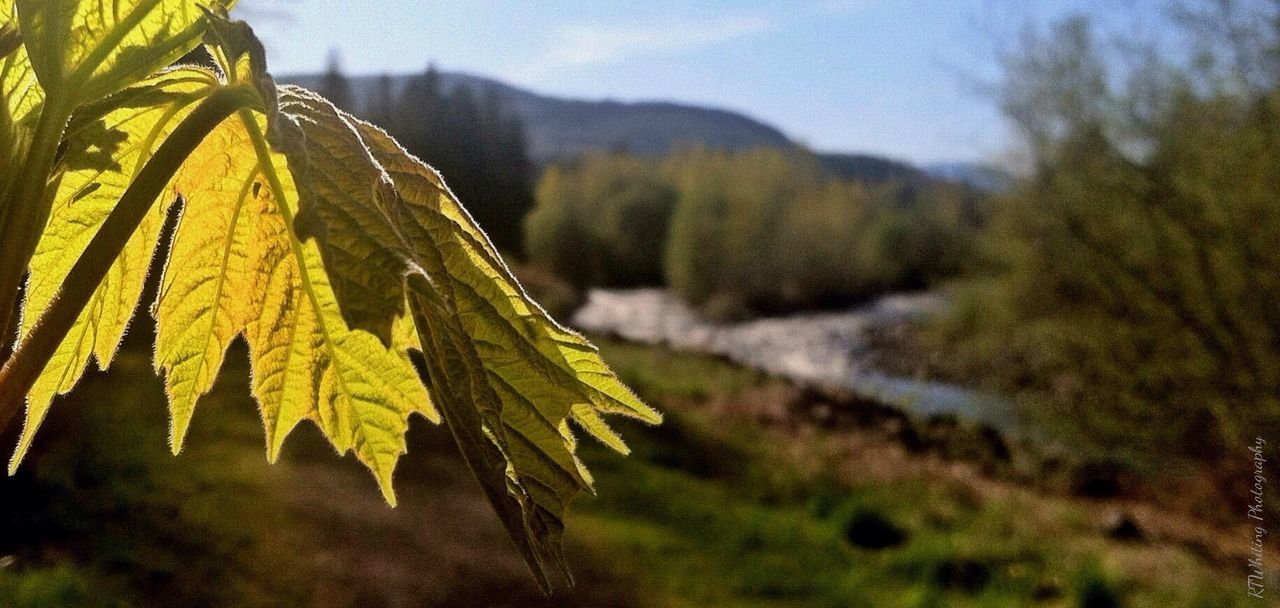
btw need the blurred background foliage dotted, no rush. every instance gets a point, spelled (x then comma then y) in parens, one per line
(1134, 271)
(763, 231)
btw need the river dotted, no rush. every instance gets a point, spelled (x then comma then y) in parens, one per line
(827, 348)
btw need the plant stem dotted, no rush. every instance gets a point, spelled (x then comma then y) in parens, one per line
(21, 371)
(24, 211)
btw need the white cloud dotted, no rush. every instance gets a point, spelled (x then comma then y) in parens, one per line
(583, 45)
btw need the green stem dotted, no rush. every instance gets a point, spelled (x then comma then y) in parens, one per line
(22, 370)
(23, 213)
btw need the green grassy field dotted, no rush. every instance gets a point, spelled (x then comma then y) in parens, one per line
(734, 523)
(717, 507)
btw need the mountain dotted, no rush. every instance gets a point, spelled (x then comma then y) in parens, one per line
(981, 177)
(559, 128)
(869, 169)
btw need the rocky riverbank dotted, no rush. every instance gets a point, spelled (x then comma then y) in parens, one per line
(831, 349)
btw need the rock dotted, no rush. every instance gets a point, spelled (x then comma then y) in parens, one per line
(1123, 528)
(963, 574)
(1098, 479)
(911, 439)
(1046, 590)
(997, 448)
(871, 530)
(822, 415)
(1099, 594)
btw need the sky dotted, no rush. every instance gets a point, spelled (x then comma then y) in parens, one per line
(899, 78)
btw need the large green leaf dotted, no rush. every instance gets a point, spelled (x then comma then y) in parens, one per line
(109, 155)
(235, 267)
(507, 377)
(86, 49)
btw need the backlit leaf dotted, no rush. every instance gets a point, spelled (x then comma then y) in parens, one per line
(506, 377)
(91, 48)
(20, 92)
(235, 268)
(83, 201)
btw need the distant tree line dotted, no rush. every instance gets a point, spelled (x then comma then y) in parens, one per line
(470, 137)
(762, 231)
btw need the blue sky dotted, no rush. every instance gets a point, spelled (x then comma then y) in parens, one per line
(892, 77)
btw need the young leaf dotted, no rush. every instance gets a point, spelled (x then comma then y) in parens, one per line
(235, 267)
(20, 92)
(88, 49)
(89, 190)
(506, 376)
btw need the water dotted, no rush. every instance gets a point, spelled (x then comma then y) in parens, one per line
(828, 349)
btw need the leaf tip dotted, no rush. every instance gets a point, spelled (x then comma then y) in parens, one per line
(273, 451)
(388, 492)
(276, 434)
(383, 467)
(178, 433)
(35, 414)
(430, 412)
(18, 454)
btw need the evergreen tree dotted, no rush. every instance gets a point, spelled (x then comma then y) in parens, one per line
(381, 110)
(334, 86)
(476, 144)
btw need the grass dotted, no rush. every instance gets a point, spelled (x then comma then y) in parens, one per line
(102, 504)
(662, 375)
(711, 509)
(750, 530)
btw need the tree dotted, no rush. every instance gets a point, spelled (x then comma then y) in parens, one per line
(1140, 252)
(603, 221)
(381, 109)
(334, 85)
(476, 138)
(770, 231)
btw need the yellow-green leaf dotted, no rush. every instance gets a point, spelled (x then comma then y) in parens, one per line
(20, 92)
(235, 268)
(125, 138)
(506, 377)
(86, 49)
(381, 261)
